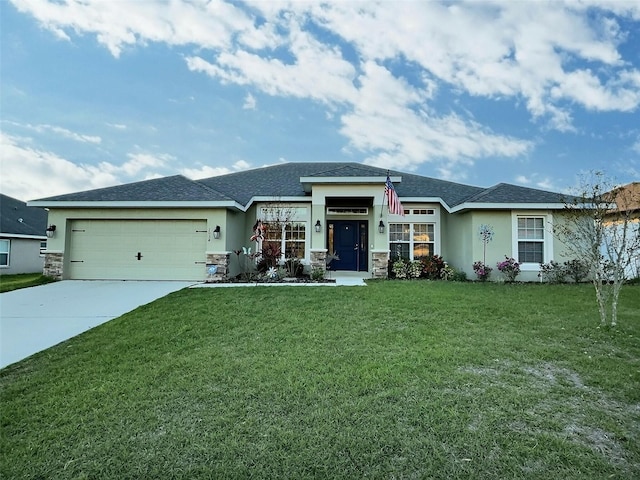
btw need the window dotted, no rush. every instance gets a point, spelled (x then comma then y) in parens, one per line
(531, 240)
(43, 247)
(411, 240)
(5, 247)
(293, 244)
(423, 211)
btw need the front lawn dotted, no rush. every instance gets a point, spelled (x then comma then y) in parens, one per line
(394, 380)
(22, 280)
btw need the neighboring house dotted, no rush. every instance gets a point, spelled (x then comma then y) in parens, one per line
(174, 228)
(22, 237)
(627, 200)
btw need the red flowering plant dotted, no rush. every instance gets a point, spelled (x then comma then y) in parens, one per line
(509, 268)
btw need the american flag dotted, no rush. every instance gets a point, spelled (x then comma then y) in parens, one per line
(393, 201)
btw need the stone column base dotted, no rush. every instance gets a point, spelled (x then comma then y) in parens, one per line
(319, 259)
(53, 265)
(380, 263)
(220, 263)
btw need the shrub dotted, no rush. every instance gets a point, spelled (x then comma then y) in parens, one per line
(509, 268)
(459, 276)
(317, 273)
(448, 272)
(576, 269)
(294, 267)
(269, 256)
(407, 269)
(432, 267)
(552, 272)
(482, 271)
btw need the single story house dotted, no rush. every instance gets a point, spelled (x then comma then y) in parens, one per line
(22, 237)
(174, 228)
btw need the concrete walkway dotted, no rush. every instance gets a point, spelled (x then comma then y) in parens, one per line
(36, 318)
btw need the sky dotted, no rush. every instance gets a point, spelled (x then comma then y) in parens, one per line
(95, 93)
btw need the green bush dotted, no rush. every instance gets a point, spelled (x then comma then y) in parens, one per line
(576, 269)
(552, 272)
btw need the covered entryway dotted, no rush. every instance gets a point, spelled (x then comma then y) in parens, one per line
(349, 239)
(137, 250)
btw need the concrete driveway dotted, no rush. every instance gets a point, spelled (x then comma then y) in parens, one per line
(36, 318)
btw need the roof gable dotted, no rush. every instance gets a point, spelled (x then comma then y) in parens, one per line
(507, 193)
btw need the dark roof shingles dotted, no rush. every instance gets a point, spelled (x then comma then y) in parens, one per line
(18, 219)
(175, 188)
(283, 180)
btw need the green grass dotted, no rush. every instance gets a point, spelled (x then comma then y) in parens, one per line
(394, 380)
(23, 280)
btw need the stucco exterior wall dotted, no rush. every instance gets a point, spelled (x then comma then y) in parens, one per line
(456, 241)
(24, 256)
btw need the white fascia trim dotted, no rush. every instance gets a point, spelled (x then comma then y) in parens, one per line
(508, 206)
(26, 237)
(438, 200)
(271, 199)
(135, 204)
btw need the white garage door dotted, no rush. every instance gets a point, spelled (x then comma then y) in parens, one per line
(137, 250)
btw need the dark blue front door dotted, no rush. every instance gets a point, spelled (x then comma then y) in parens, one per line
(349, 240)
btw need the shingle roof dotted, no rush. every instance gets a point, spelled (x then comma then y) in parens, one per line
(18, 219)
(283, 180)
(507, 193)
(175, 188)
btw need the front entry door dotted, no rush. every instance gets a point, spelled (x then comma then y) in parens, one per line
(349, 239)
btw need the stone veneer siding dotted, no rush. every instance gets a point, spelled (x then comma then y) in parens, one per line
(53, 265)
(380, 262)
(221, 260)
(319, 259)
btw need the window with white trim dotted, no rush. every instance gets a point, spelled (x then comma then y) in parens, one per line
(411, 240)
(43, 247)
(531, 239)
(293, 242)
(5, 248)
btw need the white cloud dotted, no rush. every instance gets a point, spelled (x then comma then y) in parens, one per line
(117, 126)
(249, 102)
(63, 132)
(29, 172)
(552, 57)
(206, 171)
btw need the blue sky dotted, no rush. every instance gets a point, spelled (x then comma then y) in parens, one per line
(97, 93)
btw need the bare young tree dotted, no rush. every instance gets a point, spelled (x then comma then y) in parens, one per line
(599, 229)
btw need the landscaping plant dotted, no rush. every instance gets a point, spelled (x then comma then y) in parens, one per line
(509, 268)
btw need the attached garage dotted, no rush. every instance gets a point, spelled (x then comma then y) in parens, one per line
(137, 249)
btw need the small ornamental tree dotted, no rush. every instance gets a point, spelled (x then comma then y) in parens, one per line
(481, 269)
(599, 229)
